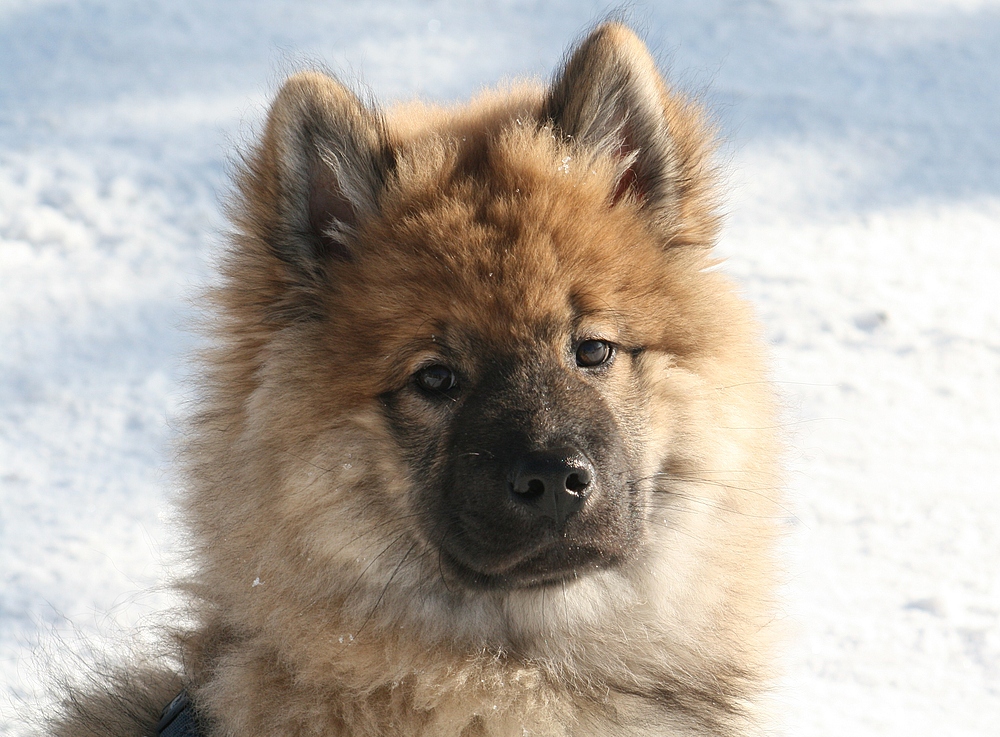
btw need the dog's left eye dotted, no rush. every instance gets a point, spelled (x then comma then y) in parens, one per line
(436, 378)
(592, 353)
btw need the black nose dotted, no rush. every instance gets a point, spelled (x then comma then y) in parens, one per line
(553, 483)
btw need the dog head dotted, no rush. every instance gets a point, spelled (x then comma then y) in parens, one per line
(464, 351)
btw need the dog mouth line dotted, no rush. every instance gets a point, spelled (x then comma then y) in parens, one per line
(533, 569)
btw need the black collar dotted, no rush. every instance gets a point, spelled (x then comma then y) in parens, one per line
(179, 719)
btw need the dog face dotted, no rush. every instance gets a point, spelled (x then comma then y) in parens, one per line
(518, 419)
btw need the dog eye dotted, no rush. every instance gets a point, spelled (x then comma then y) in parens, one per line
(591, 353)
(436, 378)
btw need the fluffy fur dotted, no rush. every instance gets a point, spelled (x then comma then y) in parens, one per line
(325, 488)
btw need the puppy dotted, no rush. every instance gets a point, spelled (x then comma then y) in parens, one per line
(484, 446)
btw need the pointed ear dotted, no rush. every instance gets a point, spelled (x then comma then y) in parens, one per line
(325, 159)
(609, 97)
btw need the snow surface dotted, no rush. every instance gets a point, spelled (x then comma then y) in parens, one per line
(864, 151)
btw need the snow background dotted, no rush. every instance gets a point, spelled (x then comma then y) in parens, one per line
(863, 144)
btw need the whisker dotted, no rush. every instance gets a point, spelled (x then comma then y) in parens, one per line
(441, 571)
(782, 425)
(767, 493)
(376, 528)
(566, 602)
(386, 587)
(491, 456)
(776, 383)
(371, 563)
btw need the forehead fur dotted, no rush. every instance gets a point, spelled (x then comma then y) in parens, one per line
(500, 229)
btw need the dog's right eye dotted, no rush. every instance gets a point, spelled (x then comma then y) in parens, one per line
(594, 353)
(436, 379)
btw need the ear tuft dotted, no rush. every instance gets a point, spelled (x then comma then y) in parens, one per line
(609, 97)
(327, 158)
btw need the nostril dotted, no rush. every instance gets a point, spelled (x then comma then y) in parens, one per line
(536, 487)
(577, 482)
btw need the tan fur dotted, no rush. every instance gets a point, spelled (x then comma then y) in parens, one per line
(321, 605)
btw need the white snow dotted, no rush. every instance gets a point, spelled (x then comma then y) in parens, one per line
(864, 158)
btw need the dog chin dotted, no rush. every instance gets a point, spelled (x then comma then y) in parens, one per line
(525, 613)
